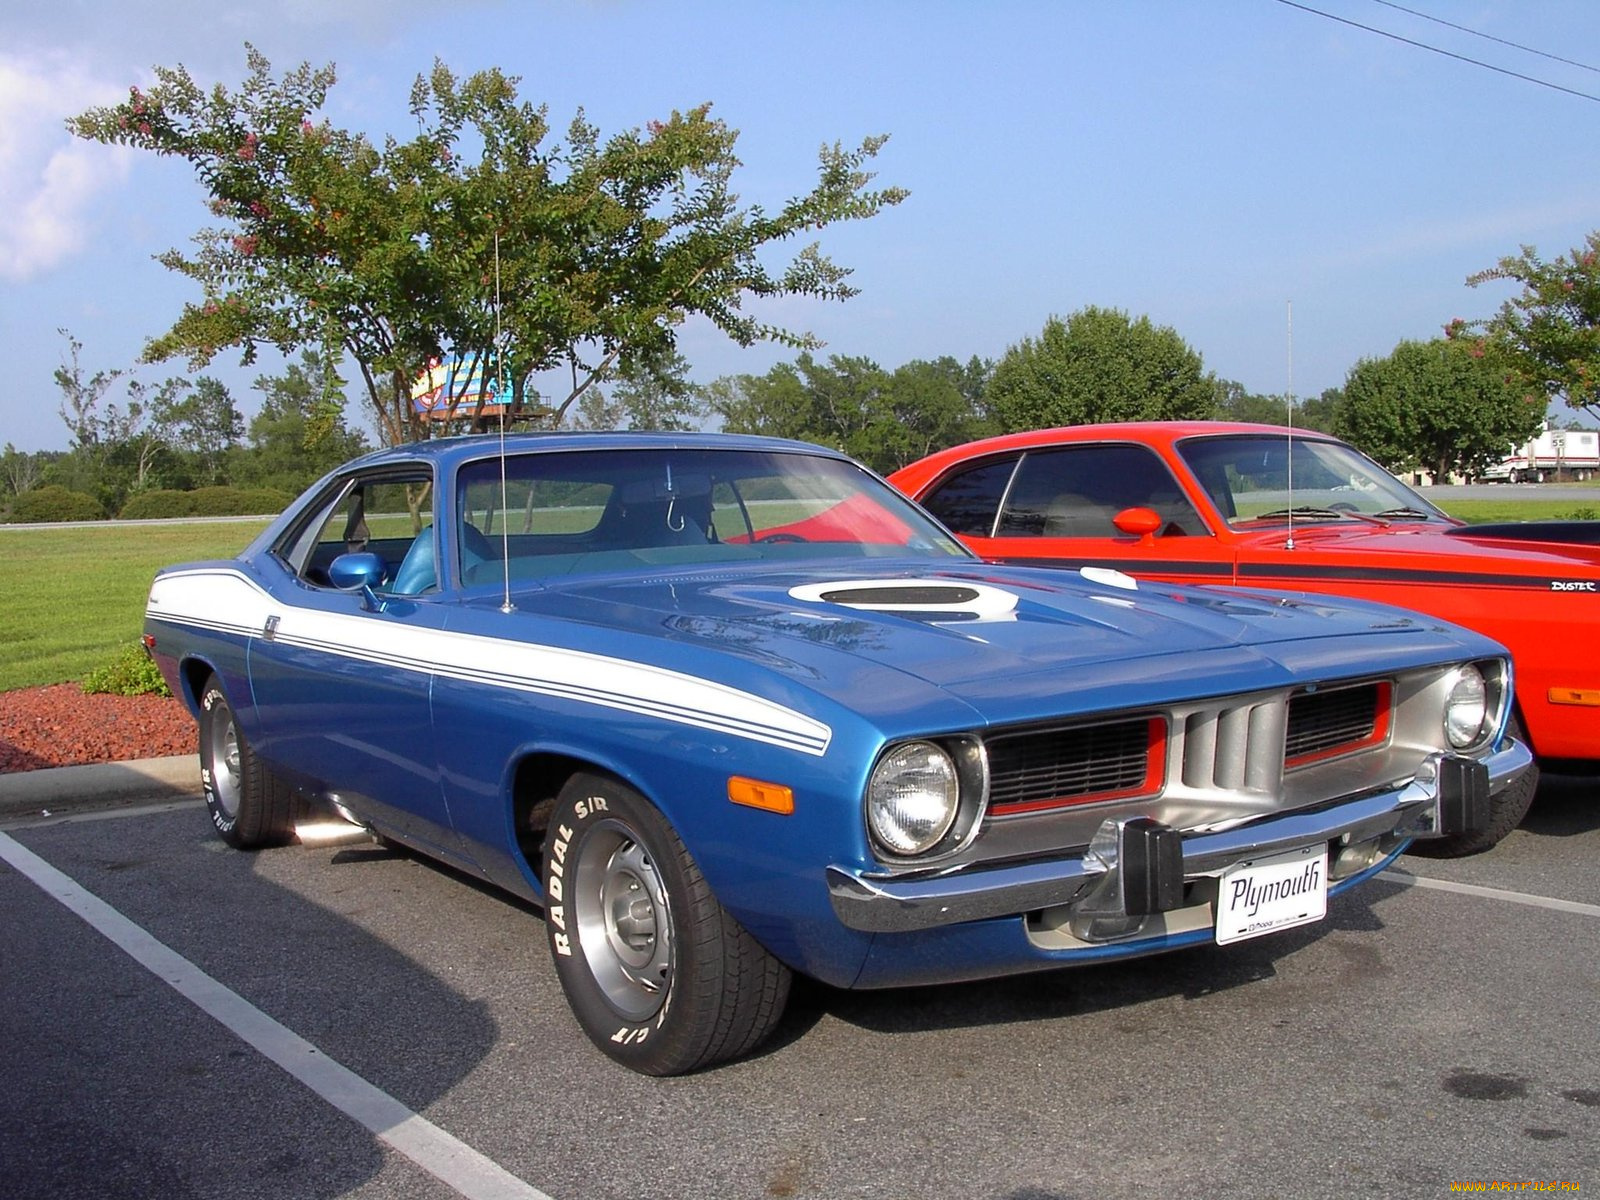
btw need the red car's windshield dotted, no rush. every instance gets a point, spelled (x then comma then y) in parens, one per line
(1256, 477)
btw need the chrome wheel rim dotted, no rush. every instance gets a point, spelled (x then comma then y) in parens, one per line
(623, 919)
(225, 774)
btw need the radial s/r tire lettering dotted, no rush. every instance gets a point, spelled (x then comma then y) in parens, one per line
(658, 974)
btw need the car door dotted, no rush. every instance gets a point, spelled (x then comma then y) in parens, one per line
(1056, 506)
(341, 688)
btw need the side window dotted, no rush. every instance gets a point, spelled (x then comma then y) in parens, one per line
(968, 503)
(390, 515)
(1076, 491)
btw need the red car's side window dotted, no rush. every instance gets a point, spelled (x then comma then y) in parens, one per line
(1063, 492)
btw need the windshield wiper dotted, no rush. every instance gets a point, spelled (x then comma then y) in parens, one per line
(1404, 514)
(1302, 510)
(1314, 513)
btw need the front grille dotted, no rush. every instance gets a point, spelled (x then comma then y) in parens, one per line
(1237, 746)
(1076, 765)
(1325, 723)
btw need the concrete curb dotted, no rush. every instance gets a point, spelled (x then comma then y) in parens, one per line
(57, 790)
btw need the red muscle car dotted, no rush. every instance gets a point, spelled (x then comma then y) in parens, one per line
(1288, 510)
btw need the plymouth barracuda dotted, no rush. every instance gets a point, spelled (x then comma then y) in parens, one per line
(731, 708)
(1206, 502)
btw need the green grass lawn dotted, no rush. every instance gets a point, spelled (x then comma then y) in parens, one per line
(72, 598)
(1478, 511)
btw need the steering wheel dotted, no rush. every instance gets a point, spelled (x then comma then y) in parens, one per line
(781, 537)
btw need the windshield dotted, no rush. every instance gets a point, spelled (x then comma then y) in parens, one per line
(1249, 478)
(605, 510)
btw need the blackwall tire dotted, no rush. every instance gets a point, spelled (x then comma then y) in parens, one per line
(249, 805)
(659, 976)
(1506, 812)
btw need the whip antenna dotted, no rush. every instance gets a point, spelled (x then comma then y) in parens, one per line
(1289, 399)
(502, 393)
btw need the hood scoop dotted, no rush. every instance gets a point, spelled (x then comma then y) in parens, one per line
(936, 600)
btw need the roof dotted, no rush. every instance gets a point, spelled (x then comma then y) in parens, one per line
(451, 450)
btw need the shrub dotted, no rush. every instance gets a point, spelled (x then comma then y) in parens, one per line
(1583, 514)
(163, 502)
(55, 503)
(131, 673)
(237, 502)
(262, 502)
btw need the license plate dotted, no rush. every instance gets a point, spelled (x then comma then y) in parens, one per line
(1264, 895)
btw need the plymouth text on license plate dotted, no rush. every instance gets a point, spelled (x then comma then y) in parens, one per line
(1266, 894)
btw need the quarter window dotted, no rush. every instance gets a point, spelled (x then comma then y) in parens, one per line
(969, 502)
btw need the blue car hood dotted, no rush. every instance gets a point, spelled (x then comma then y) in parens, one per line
(1005, 640)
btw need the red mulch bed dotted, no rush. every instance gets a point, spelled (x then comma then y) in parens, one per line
(61, 725)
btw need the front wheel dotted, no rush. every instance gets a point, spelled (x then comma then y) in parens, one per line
(659, 976)
(249, 805)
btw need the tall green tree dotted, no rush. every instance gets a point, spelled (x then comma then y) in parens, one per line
(1237, 403)
(1551, 329)
(94, 421)
(883, 418)
(654, 396)
(479, 236)
(1099, 365)
(20, 470)
(1320, 412)
(113, 450)
(298, 435)
(199, 421)
(926, 405)
(1441, 406)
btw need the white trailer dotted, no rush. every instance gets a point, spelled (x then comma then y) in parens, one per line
(1565, 454)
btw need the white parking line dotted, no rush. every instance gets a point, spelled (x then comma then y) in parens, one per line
(1488, 893)
(445, 1157)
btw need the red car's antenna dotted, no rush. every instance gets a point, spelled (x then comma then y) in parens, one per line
(1289, 404)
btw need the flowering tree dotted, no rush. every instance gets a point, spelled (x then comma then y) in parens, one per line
(1551, 330)
(588, 254)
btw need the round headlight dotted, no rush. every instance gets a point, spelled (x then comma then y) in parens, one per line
(913, 798)
(1466, 708)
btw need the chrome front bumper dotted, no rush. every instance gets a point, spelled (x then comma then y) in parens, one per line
(1101, 882)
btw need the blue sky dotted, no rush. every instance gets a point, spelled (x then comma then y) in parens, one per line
(1205, 163)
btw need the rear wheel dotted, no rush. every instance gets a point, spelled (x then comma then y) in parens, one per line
(1506, 811)
(661, 978)
(249, 805)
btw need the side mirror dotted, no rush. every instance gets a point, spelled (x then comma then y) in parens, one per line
(361, 572)
(1138, 522)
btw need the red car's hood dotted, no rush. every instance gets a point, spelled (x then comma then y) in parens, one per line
(1423, 546)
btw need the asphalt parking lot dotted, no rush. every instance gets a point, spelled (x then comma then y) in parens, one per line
(181, 1020)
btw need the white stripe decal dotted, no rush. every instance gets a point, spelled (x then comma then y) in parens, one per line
(224, 601)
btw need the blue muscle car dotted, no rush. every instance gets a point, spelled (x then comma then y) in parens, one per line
(729, 708)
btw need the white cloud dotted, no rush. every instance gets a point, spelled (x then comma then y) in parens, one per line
(48, 178)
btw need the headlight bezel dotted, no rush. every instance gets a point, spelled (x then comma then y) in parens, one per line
(968, 772)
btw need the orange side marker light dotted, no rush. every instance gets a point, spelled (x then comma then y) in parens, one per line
(1584, 697)
(753, 793)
